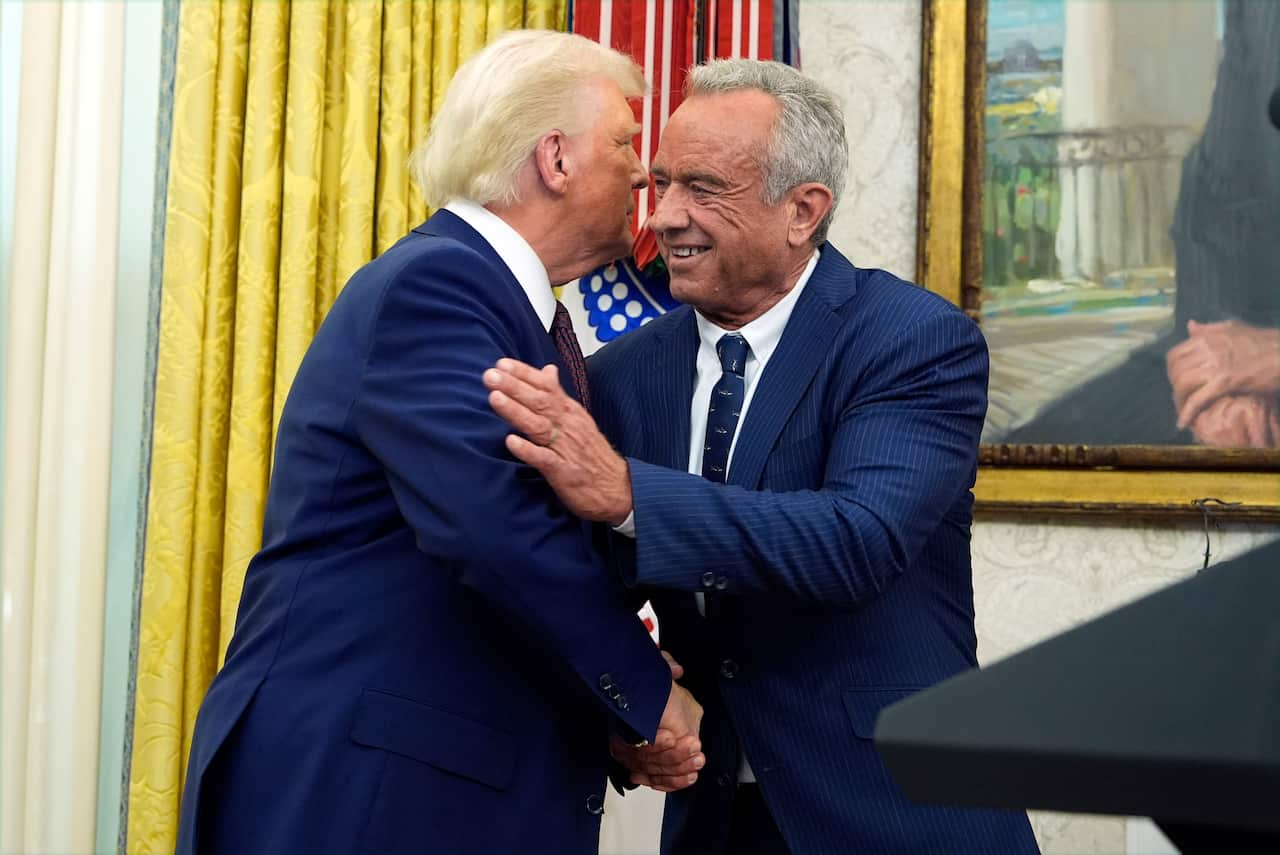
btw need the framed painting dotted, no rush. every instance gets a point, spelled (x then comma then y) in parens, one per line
(1100, 189)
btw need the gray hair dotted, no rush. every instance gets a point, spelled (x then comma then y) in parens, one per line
(808, 142)
(500, 103)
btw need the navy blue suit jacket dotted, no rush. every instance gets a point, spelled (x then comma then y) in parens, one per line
(835, 561)
(428, 653)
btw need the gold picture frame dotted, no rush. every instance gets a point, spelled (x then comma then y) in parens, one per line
(1076, 479)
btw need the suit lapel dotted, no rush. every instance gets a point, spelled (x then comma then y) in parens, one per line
(667, 390)
(804, 344)
(448, 225)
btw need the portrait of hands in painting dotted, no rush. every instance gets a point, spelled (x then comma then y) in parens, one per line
(1131, 223)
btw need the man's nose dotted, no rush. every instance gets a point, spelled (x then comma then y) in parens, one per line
(669, 212)
(639, 176)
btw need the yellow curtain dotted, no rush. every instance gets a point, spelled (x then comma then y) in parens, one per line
(292, 123)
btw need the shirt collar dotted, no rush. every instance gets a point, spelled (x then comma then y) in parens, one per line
(763, 333)
(515, 252)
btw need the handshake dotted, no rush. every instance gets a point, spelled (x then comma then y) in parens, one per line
(672, 761)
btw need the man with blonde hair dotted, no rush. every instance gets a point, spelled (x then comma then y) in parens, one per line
(429, 655)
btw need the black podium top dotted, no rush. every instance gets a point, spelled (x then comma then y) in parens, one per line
(1168, 707)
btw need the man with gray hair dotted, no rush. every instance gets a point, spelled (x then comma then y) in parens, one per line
(801, 439)
(429, 654)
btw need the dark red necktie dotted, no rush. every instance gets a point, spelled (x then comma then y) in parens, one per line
(570, 353)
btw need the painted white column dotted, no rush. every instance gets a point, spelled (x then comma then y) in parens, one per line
(1124, 66)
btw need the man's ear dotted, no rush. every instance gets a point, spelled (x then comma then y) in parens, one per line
(808, 204)
(549, 156)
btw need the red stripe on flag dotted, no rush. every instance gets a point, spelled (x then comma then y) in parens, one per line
(586, 19)
(765, 50)
(638, 28)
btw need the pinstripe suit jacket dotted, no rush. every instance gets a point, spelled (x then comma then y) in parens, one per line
(836, 559)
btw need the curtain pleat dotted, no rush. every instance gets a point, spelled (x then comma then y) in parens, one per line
(328, 281)
(394, 123)
(358, 179)
(444, 48)
(420, 87)
(300, 244)
(171, 597)
(254, 333)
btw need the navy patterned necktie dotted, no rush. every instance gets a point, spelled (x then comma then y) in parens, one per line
(725, 406)
(570, 352)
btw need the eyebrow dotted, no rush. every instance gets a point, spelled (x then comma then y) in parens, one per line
(688, 176)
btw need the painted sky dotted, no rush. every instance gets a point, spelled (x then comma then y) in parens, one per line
(1038, 21)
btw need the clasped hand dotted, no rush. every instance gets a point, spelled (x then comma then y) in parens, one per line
(1226, 379)
(672, 761)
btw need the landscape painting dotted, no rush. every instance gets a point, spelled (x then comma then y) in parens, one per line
(1106, 292)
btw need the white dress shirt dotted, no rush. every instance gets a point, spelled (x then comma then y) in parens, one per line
(515, 252)
(762, 336)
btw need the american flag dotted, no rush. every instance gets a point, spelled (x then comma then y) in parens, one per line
(667, 37)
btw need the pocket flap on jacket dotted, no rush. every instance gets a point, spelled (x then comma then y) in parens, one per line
(435, 737)
(864, 705)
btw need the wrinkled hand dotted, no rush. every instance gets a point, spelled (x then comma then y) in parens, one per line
(672, 762)
(1239, 421)
(563, 442)
(1219, 359)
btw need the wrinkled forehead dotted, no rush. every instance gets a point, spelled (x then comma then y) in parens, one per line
(707, 130)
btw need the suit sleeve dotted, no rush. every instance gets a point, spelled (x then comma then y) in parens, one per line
(903, 451)
(423, 411)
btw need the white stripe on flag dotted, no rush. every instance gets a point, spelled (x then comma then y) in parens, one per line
(736, 44)
(753, 45)
(606, 23)
(713, 12)
(668, 71)
(646, 133)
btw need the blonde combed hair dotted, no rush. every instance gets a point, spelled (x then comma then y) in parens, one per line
(501, 102)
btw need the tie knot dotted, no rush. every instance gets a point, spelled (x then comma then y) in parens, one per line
(732, 350)
(561, 321)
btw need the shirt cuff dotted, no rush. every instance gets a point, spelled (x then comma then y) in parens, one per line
(628, 526)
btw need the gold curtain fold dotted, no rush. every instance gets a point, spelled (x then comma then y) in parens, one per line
(292, 125)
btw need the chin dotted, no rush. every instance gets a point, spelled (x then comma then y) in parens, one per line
(681, 289)
(622, 250)
(603, 258)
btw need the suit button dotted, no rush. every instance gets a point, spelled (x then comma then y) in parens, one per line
(708, 580)
(606, 682)
(724, 779)
(621, 701)
(728, 669)
(595, 804)
(722, 583)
